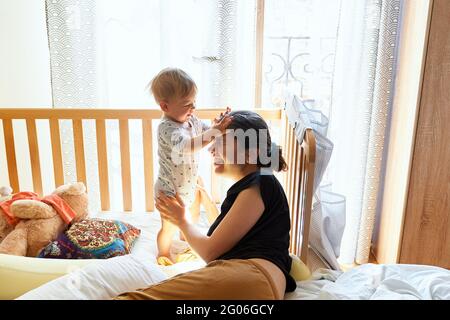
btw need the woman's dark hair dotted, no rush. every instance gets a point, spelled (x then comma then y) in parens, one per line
(248, 120)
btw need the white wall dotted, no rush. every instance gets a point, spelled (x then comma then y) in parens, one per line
(24, 70)
(24, 56)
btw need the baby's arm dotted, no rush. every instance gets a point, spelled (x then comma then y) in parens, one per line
(195, 144)
(217, 129)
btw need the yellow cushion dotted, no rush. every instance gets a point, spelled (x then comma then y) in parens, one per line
(22, 274)
(299, 270)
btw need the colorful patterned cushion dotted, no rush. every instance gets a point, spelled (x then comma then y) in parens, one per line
(93, 239)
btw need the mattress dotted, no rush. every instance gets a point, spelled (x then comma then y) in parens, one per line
(19, 275)
(376, 282)
(33, 278)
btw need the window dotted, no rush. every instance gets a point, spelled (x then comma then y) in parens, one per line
(242, 54)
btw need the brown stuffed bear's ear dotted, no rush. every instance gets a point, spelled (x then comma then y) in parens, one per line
(76, 188)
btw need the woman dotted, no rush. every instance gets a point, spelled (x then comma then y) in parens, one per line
(246, 248)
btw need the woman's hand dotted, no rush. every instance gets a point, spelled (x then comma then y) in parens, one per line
(171, 208)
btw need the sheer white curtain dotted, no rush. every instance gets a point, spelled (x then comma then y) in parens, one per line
(300, 47)
(362, 100)
(211, 40)
(339, 57)
(105, 52)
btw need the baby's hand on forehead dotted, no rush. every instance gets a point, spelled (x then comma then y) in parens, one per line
(222, 115)
(223, 121)
(223, 124)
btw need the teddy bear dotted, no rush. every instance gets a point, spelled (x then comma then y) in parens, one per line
(41, 220)
(5, 227)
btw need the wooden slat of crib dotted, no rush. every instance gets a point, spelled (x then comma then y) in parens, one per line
(303, 246)
(11, 155)
(286, 154)
(102, 164)
(284, 128)
(297, 173)
(290, 193)
(302, 196)
(285, 142)
(293, 181)
(147, 139)
(295, 189)
(125, 164)
(310, 153)
(79, 150)
(56, 152)
(291, 143)
(289, 172)
(34, 156)
(294, 212)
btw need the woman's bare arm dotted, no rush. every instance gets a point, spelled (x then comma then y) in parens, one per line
(243, 215)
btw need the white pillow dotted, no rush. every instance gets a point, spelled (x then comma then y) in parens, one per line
(99, 281)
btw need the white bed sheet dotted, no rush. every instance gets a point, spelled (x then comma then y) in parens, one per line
(145, 249)
(105, 279)
(376, 282)
(108, 278)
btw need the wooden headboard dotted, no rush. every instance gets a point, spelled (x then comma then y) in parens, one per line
(297, 181)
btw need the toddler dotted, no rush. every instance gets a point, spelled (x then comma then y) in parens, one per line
(180, 136)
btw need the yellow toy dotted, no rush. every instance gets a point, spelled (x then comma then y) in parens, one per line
(299, 270)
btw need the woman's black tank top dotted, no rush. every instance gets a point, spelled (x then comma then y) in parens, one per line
(269, 237)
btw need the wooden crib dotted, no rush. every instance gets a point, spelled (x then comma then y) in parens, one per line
(297, 181)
